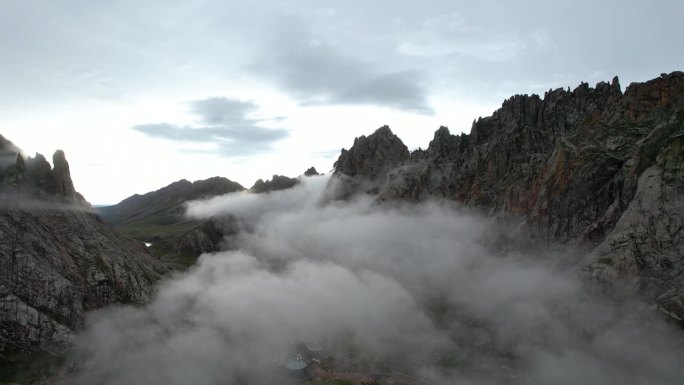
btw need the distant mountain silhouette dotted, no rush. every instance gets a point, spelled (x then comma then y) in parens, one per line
(158, 217)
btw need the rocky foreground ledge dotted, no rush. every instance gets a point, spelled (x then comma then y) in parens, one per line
(592, 167)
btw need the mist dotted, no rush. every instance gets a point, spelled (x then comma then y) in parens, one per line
(30, 201)
(419, 289)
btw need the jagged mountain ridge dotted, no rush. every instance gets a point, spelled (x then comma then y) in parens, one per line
(593, 167)
(58, 260)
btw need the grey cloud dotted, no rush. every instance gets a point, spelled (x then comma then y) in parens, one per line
(400, 90)
(217, 111)
(317, 72)
(124, 48)
(175, 132)
(405, 288)
(225, 123)
(453, 35)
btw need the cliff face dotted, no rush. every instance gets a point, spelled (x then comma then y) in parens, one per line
(56, 265)
(592, 167)
(57, 259)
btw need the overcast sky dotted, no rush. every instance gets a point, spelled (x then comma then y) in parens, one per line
(142, 93)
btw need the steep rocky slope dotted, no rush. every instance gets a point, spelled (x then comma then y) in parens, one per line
(57, 259)
(593, 167)
(158, 217)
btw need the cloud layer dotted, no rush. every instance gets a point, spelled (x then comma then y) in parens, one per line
(224, 123)
(317, 72)
(412, 289)
(322, 49)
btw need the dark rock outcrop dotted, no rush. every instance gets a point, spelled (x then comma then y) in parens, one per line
(60, 178)
(373, 156)
(592, 167)
(57, 259)
(277, 182)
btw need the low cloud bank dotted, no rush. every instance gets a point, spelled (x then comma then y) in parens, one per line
(412, 289)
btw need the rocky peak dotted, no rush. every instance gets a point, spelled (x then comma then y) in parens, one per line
(277, 182)
(616, 83)
(61, 183)
(445, 146)
(38, 170)
(373, 156)
(35, 175)
(311, 172)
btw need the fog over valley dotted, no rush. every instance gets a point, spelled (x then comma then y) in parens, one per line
(424, 290)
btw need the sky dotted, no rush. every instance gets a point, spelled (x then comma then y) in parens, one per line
(141, 94)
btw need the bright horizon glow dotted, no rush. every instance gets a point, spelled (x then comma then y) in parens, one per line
(145, 164)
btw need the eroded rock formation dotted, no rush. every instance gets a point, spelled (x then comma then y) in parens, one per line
(591, 167)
